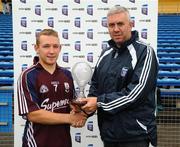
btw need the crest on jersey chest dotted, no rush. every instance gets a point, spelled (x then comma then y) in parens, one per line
(43, 89)
(66, 87)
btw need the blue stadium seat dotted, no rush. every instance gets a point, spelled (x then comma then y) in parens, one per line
(169, 74)
(6, 33)
(8, 43)
(168, 82)
(161, 36)
(6, 73)
(169, 54)
(9, 36)
(6, 109)
(3, 39)
(6, 48)
(6, 76)
(6, 81)
(166, 40)
(168, 60)
(168, 49)
(170, 93)
(6, 65)
(6, 58)
(6, 53)
(169, 66)
(168, 45)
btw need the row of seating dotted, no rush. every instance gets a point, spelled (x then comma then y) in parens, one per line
(6, 48)
(168, 53)
(169, 60)
(168, 82)
(6, 74)
(6, 65)
(8, 43)
(164, 45)
(4, 39)
(6, 58)
(6, 51)
(6, 81)
(168, 74)
(168, 49)
(170, 67)
(170, 41)
(162, 36)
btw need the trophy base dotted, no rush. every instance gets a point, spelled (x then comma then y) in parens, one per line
(78, 103)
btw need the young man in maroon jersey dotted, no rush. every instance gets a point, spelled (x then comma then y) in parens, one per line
(44, 93)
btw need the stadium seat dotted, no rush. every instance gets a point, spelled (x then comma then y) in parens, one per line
(168, 49)
(169, 74)
(168, 82)
(169, 60)
(6, 65)
(6, 81)
(4, 39)
(169, 54)
(166, 40)
(6, 48)
(6, 53)
(6, 58)
(6, 73)
(170, 93)
(169, 66)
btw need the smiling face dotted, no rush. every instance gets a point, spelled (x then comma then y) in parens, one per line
(119, 26)
(48, 50)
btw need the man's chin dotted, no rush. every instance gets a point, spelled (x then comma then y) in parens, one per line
(51, 62)
(118, 40)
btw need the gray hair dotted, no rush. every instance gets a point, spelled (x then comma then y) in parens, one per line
(118, 9)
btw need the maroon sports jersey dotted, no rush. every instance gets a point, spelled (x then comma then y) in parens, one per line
(38, 89)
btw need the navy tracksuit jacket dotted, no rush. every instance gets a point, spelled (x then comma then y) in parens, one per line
(124, 81)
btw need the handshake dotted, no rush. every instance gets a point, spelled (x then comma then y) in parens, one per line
(81, 109)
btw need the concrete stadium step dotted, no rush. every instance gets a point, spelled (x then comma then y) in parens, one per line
(167, 135)
(6, 139)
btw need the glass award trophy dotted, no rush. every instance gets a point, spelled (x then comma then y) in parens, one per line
(82, 74)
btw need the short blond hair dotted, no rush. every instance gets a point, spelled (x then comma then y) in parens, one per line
(47, 32)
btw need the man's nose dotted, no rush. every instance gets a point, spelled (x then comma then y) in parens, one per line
(51, 49)
(116, 27)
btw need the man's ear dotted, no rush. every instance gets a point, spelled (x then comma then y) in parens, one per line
(36, 48)
(131, 24)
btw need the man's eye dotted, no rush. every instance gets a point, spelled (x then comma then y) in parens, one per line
(119, 24)
(56, 46)
(111, 25)
(46, 46)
